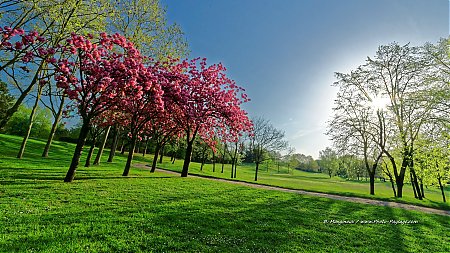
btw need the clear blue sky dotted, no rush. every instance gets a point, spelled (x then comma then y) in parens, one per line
(285, 52)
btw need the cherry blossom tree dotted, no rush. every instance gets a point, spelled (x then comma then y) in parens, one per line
(96, 77)
(142, 103)
(209, 100)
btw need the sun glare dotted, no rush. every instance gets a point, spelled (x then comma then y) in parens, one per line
(379, 102)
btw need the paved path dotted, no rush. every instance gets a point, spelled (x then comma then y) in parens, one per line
(316, 194)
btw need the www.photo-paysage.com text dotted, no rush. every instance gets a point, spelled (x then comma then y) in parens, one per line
(394, 222)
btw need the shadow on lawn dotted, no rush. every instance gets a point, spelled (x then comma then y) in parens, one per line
(31, 175)
(243, 220)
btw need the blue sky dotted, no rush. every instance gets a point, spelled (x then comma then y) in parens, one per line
(285, 52)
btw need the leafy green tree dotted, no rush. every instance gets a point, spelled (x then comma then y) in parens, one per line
(328, 161)
(144, 23)
(6, 99)
(18, 125)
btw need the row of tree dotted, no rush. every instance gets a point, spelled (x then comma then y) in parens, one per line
(393, 112)
(110, 81)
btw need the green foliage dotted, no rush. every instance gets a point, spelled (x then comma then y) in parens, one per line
(328, 161)
(19, 122)
(6, 99)
(144, 23)
(104, 212)
(433, 160)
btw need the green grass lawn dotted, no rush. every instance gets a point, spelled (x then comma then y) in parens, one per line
(317, 182)
(104, 212)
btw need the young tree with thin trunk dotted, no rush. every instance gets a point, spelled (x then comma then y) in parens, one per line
(264, 137)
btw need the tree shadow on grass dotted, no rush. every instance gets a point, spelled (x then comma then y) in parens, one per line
(250, 221)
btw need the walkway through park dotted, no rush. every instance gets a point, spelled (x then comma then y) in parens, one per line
(316, 194)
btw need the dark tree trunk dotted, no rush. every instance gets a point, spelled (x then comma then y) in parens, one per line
(78, 150)
(256, 171)
(372, 183)
(126, 171)
(223, 163)
(145, 147)
(214, 162)
(112, 152)
(155, 158)
(392, 183)
(89, 156)
(122, 149)
(442, 189)
(172, 156)
(54, 127)
(138, 150)
(413, 185)
(98, 157)
(399, 183)
(421, 189)
(187, 158)
(232, 168)
(162, 154)
(416, 184)
(234, 161)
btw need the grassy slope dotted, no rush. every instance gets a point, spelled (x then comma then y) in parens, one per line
(103, 212)
(317, 182)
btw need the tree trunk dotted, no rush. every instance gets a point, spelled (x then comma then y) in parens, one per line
(161, 154)
(234, 160)
(130, 156)
(172, 155)
(399, 183)
(232, 167)
(78, 150)
(54, 127)
(421, 189)
(214, 162)
(112, 151)
(89, 156)
(392, 183)
(223, 163)
(442, 189)
(413, 185)
(98, 157)
(187, 158)
(145, 147)
(123, 147)
(256, 171)
(416, 184)
(155, 158)
(372, 183)
(30, 123)
(138, 150)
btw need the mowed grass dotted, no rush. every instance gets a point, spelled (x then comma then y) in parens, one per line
(104, 212)
(317, 182)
